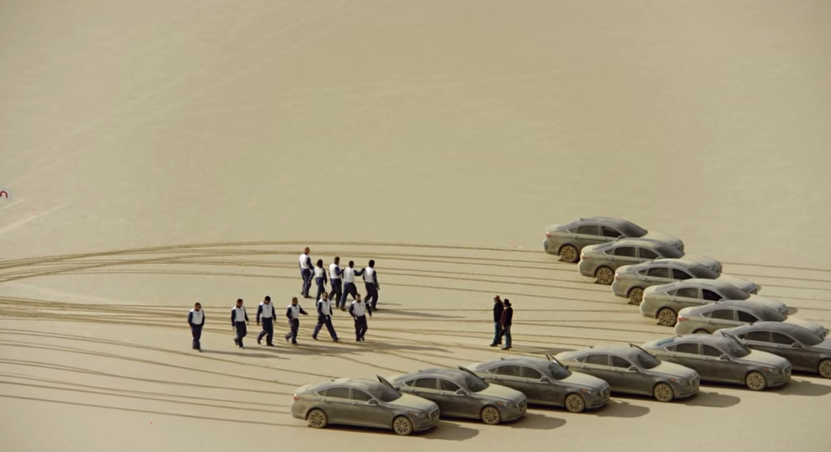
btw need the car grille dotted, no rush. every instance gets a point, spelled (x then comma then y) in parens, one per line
(434, 415)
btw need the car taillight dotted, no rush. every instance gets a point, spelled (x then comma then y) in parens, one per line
(682, 319)
(296, 397)
(548, 235)
(617, 277)
(582, 257)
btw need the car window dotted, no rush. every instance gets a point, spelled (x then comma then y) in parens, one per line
(709, 350)
(680, 274)
(512, 371)
(779, 338)
(710, 295)
(627, 251)
(357, 394)
(533, 374)
(747, 317)
(427, 383)
(620, 362)
(447, 385)
(658, 272)
(687, 292)
(647, 361)
(603, 360)
(340, 393)
(609, 232)
(648, 254)
(686, 348)
(588, 230)
(724, 314)
(762, 336)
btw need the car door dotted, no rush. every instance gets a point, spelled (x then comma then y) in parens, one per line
(337, 405)
(684, 354)
(743, 317)
(790, 349)
(367, 410)
(680, 275)
(711, 295)
(510, 376)
(657, 275)
(459, 401)
(597, 364)
(716, 368)
(610, 234)
(625, 255)
(587, 234)
(427, 388)
(685, 297)
(759, 340)
(539, 388)
(627, 375)
(722, 318)
(646, 254)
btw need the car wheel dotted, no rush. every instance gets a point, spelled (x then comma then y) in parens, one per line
(824, 368)
(490, 415)
(700, 331)
(575, 403)
(663, 392)
(402, 426)
(755, 381)
(569, 254)
(667, 317)
(317, 419)
(604, 275)
(636, 296)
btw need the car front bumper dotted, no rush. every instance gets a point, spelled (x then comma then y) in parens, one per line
(422, 424)
(776, 379)
(512, 413)
(686, 391)
(597, 401)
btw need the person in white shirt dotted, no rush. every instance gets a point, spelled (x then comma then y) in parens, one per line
(348, 285)
(196, 320)
(320, 278)
(371, 283)
(359, 310)
(293, 313)
(306, 272)
(267, 313)
(335, 280)
(324, 317)
(239, 319)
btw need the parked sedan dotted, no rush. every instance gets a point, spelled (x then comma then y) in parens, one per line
(722, 359)
(568, 239)
(806, 351)
(629, 369)
(601, 261)
(631, 280)
(365, 403)
(663, 302)
(461, 393)
(546, 382)
(727, 314)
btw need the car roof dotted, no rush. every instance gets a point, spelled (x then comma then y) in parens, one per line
(450, 374)
(624, 351)
(629, 241)
(708, 339)
(516, 360)
(669, 262)
(781, 327)
(357, 383)
(608, 221)
(696, 282)
(751, 305)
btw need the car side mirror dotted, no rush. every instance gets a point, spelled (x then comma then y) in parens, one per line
(373, 402)
(724, 358)
(634, 369)
(796, 345)
(545, 379)
(461, 392)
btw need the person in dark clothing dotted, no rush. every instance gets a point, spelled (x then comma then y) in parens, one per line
(320, 278)
(239, 319)
(196, 320)
(267, 312)
(498, 307)
(507, 319)
(293, 313)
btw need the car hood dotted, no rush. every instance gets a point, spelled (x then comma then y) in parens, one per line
(815, 328)
(673, 370)
(764, 359)
(746, 286)
(411, 402)
(502, 392)
(708, 262)
(668, 239)
(584, 381)
(770, 302)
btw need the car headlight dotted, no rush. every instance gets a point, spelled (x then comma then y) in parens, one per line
(590, 392)
(417, 414)
(678, 381)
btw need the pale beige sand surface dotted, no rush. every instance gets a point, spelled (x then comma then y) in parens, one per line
(129, 130)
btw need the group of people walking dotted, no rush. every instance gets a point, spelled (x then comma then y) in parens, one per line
(341, 280)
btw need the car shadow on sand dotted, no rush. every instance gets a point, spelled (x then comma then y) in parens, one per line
(711, 400)
(620, 408)
(446, 431)
(802, 388)
(537, 421)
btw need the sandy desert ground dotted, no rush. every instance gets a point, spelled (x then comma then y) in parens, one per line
(159, 153)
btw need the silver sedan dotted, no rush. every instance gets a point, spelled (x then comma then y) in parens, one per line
(806, 351)
(365, 403)
(727, 314)
(631, 280)
(546, 382)
(568, 239)
(722, 359)
(663, 302)
(630, 369)
(601, 261)
(461, 393)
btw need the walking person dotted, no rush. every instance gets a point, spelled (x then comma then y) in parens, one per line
(498, 307)
(196, 320)
(239, 319)
(507, 319)
(348, 285)
(324, 317)
(359, 310)
(293, 313)
(335, 280)
(306, 272)
(371, 283)
(267, 313)
(320, 279)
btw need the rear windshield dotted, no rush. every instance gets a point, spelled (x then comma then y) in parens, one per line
(385, 393)
(647, 361)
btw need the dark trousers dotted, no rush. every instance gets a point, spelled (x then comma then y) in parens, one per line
(348, 289)
(196, 331)
(294, 327)
(336, 292)
(507, 331)
(325, 320)
(371, 292)
(321, 287)
(360, 327)
(241, 332)
(268, 331)
(497, 333)
(307, 282)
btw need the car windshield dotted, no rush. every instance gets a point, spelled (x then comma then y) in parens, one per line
(732, 292)
(667, 251)
(702, 272)
(558, 372)
(385, 393)
(806, 337)
(647, 361)
(632, 230)
(735, 348)
(474, 383)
